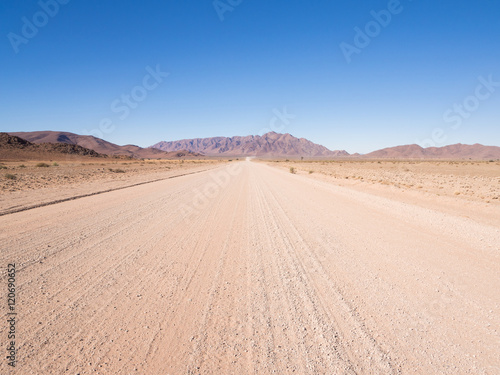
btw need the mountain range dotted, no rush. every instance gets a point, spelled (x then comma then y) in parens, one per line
(99, 145)
(285, 145)
(456, 151)
(268, 145)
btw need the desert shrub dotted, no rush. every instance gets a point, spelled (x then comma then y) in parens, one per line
(55, 164)
(3, 167)
(116, 170)
(292, 170)
(9, 176)
(311, 172)
(22, 166)
(42, 165)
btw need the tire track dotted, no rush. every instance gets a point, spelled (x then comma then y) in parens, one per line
(39, 205)
(307, 266)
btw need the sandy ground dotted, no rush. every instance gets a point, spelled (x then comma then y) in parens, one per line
(33, 184)
(469, 189)
(473, 180)
(248, 268)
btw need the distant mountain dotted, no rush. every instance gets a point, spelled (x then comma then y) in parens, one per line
(456, 151)
(12, 146)
(98, 145)
(270, 144)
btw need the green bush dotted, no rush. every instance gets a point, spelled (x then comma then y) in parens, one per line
(9, 176)
(42, 165)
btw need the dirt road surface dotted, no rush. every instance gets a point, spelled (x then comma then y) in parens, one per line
(250, 270)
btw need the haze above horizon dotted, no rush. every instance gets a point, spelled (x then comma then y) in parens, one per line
(346, 75)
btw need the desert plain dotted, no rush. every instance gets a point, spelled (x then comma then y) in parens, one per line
(253, 266)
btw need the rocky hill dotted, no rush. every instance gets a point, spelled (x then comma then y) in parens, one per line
(12, 146)
(98, 145)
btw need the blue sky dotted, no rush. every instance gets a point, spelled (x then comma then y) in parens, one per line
(422, 71)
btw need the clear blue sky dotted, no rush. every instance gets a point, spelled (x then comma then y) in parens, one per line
(230, 71)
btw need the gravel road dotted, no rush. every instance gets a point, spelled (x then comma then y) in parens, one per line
(250, 269)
